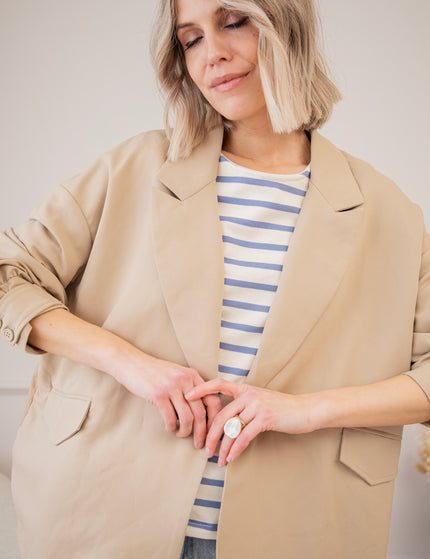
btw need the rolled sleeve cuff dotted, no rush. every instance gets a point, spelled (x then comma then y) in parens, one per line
(421, 375)
(18, 307)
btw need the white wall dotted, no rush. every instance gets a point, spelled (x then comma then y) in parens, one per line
(76, 81)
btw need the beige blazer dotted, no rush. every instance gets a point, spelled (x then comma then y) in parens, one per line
(134, 244)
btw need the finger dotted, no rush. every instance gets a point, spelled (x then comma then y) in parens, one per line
(228, 443)
(250, 431)
(185, 415)
(191, 415)
(217, 428)
(199, 423)
(224, 450)
(213, 407)
(214, 386)
(206, 408)
(168, 414)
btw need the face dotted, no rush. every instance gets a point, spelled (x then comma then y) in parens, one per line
(220, 48)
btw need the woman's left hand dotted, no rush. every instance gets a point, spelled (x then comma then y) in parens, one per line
(260, 409)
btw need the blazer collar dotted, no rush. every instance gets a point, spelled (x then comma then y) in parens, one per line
(186, 177)
(330, 172)
(189, 253)
(332, 176)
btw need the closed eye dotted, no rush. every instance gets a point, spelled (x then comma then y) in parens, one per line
(190, 44)
(234, 25)
(238, 23)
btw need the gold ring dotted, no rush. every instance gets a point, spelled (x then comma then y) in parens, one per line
(233, 427)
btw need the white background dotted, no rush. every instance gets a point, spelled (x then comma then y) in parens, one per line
(76, 80)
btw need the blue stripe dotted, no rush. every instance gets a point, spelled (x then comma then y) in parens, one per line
(222, 158)
(242, 327)
(263, 182)
(250, 285)
(214, 482)
(258, 203)
(246, 264)
(203, 525)
(246, 306)
(238, 348)
(233, 371)
(207, 503)
(258, 224)
(306, 174)
(260, 246)
(213, 460)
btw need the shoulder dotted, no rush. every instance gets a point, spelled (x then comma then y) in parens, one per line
(388, 212)
(137, 157)
(128, 169)
(374, 185)
(386, 205)
(145, 145)
(383, 198)
(156, 139)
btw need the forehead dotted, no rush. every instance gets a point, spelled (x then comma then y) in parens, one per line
(190, 11)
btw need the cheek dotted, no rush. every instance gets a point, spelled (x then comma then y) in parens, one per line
(250, 52)
(194, 71)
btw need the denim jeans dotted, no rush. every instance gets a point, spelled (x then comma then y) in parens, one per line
(196, 548)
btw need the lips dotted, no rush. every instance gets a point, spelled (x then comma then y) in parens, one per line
(224, 80)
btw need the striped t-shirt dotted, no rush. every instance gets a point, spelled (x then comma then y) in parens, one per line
(258, 212)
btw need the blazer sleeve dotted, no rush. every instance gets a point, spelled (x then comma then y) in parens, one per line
(41, 258)
(420, 364)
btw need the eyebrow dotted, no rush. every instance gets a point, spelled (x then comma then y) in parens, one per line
(183, 25)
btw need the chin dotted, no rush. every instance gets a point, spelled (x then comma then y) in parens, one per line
(239, 110)
(234, 113)
(237, 118)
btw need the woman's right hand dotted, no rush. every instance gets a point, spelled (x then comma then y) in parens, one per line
(164, 385)
(160, 382)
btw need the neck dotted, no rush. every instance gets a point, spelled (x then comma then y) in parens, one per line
(258, 147)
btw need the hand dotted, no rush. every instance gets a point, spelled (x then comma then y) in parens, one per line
(260, 409)
(164, 384)
(161, 383)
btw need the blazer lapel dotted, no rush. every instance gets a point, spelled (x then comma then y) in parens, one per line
(189, 255)
(318, 255)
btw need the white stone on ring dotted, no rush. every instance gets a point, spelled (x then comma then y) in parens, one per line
(233, 427)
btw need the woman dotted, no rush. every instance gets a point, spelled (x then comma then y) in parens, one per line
(135, 280)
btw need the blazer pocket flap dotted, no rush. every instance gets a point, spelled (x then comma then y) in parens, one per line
(371, 454)
(65, 414)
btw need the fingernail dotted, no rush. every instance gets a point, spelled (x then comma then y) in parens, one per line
(208, 452)
(229, 458)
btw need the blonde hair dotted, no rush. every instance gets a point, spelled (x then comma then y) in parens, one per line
(298, 92)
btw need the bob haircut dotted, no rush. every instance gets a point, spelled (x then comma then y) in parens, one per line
(298, 92)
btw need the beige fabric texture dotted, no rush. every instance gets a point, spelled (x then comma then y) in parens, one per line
(133, 244)
(8, 540)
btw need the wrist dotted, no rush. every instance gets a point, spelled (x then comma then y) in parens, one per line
(119, 357)
(324, 409)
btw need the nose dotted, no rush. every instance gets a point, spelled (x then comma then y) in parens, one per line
(217, 48)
